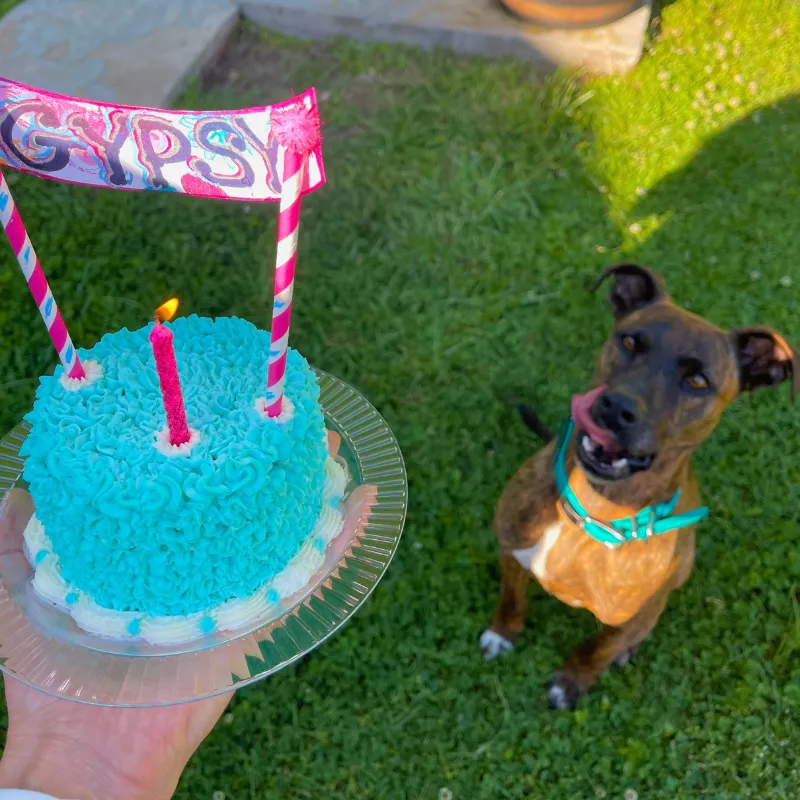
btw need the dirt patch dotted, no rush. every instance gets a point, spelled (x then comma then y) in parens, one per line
(251, 62)
(258, 63)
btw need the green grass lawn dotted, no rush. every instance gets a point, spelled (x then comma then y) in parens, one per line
(444, 271)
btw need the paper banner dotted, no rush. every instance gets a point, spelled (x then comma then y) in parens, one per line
(225, 154)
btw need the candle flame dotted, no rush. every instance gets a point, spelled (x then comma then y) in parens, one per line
(165, 312)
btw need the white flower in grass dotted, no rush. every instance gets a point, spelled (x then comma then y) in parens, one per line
(690, 124)
(635, 227)
(737, 48)
(218, 796)
(663, 75)
(600, 248)
(228, 718)
(728, 35)
(755, 275)
(719, 107)
(247, 209)
(708, 69)
(600, 794)
(752, 87)
(785, 281)
(724, 66)
(418, 545)
(602, 189)
(676, 88)
(445, 794)
(631, 794)
(739, 79)
(734, 102)
(756, 118)
(641, 191)
(711, 86)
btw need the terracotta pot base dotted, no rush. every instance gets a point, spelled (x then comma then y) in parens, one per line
(571, 13)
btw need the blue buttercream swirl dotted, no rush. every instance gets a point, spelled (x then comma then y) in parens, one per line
(141, 531)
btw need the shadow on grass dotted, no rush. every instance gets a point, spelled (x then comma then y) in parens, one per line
(728, 233)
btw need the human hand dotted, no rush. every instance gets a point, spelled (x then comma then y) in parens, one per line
(82, 752)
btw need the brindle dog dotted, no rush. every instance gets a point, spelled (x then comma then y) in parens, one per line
(662, 381)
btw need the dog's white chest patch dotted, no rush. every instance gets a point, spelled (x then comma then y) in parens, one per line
(534, 559)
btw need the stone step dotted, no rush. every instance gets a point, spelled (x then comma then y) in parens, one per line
(478, 27)
(134, 52)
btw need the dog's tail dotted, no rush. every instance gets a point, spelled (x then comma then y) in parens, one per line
(532, 421)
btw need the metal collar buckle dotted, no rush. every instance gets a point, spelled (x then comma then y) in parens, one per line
(649, 530)
(573, 516)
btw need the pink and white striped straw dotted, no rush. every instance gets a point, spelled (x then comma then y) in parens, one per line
(32, 270)
(297, 129)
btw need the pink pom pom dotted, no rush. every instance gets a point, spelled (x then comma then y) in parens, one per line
(296, 127)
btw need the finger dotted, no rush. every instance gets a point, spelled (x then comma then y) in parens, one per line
(334, 442)
(203, 715)
(358, 508)
(16, 509)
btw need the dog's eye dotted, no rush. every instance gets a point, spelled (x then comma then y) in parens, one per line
(629, 343)
(697, 381)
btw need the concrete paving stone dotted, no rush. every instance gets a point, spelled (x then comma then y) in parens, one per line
(134, 52)
(479, 27)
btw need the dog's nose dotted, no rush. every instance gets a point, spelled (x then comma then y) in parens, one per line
(617, 411)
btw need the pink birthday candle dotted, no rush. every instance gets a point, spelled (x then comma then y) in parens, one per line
(32, 270)
(297, 130)
(167, 368)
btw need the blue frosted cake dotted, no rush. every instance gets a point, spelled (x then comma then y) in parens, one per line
(135, 541)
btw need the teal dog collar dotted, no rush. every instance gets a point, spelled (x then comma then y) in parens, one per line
(648, 522)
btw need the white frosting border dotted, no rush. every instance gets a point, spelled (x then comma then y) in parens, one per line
(93, 371)
(232, 615)
(166, 448)
(287, 410)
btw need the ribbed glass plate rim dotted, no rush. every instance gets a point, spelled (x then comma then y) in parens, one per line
(97, 677)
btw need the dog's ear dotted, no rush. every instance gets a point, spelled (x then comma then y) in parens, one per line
(634, 287)
(765, 359)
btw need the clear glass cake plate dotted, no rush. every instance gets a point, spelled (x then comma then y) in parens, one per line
(44, 648)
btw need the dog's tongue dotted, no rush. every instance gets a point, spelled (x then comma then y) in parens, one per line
(582, 416)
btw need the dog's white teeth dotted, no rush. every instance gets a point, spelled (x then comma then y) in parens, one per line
(588, 445)
(620, 463)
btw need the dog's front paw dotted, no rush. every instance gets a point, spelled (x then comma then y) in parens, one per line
(493, 644)
(563, 692)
